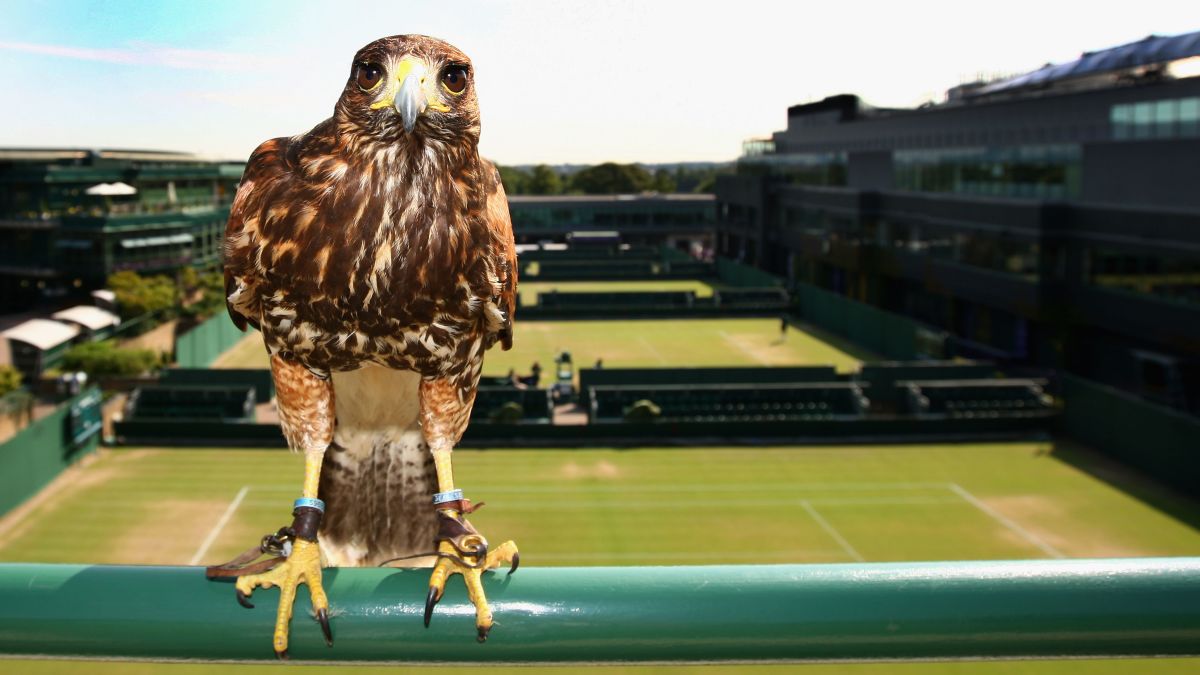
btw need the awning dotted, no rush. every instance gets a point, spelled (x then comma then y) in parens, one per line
(93, 318)
(162, 240)
(111, 189)
(42, 333)
(104, 295)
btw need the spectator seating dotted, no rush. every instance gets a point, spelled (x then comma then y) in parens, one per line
(191, 401)
(978, 398)
(774, 299)
(591, 377)
(731, 402)
(490, 402)
(595, 301)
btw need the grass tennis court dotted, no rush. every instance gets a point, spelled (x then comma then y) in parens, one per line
(648, 343)
(635, 507)
(703, 289)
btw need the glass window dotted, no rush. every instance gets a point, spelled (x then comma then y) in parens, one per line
(1143, 119)
(1168, 276)
(1166, 118)
(1121, 118)
(1166, 115)
(827, 169)
(1189, 117)
(1004, 253)
(1044, 171)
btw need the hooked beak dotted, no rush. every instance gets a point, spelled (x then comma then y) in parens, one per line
(410, 101)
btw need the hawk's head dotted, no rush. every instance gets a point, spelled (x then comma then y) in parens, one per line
(411, 86)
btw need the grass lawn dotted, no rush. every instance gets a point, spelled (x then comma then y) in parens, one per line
(648, 507)
(649, 343)
(529, 289)
(678, 342)
(249, 352)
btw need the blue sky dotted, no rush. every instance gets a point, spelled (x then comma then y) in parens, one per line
(558, 82)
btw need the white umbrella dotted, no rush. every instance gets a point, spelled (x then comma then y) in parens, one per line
(112, 189)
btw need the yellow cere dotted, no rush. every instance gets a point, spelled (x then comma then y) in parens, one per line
(405, 68)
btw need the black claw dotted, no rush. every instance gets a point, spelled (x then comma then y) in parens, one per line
(430, 601)
(483, 633)
(241, 598)
(516, 562)
(282, 656)
(480, 554)
(323, 619)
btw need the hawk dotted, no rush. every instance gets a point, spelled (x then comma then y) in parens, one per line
(376, 255)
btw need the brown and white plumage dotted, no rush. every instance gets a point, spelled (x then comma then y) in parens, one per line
(376, 255)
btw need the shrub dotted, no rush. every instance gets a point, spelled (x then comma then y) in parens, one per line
(644, 410)
(509, 413)
(138, 295)
(10, 379)
(104, 359)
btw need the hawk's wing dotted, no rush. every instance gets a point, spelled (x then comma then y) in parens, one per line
(265, 171)
(500, 224)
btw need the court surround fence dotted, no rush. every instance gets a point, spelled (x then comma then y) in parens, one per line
(1162, 442)
(200, 346)
(39, 452)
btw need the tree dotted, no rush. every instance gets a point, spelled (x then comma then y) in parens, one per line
(516, 181)
(138, 295)
(10, 379)
(544, 181)
(708, 184)
(611, 178)
(663, 181)
(207, 295)
(189, 280)
(101, 359)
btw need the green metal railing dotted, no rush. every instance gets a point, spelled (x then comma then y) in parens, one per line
(785, 613)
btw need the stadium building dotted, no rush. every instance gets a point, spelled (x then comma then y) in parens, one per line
(71, 217)
(1048, 219)
(680, 221)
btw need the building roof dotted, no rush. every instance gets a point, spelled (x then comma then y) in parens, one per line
(1145, 52)
(51, 154)
(582, 199)
(42, 333)
(93, 318)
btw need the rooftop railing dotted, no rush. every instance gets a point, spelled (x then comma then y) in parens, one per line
(778, 613)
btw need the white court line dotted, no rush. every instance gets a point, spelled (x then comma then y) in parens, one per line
(647, 345)
(1006, 521)
(744, 349)
(216, 531)
(669, 504)
(681, 487)
(831, 531)
(689, 555)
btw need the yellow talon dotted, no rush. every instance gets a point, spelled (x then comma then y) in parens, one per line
(453, 559)
(303, 566)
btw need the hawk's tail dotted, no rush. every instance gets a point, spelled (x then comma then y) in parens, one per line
(378, 474)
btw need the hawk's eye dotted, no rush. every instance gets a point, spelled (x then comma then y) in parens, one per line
(454, 79)
(369, 75)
